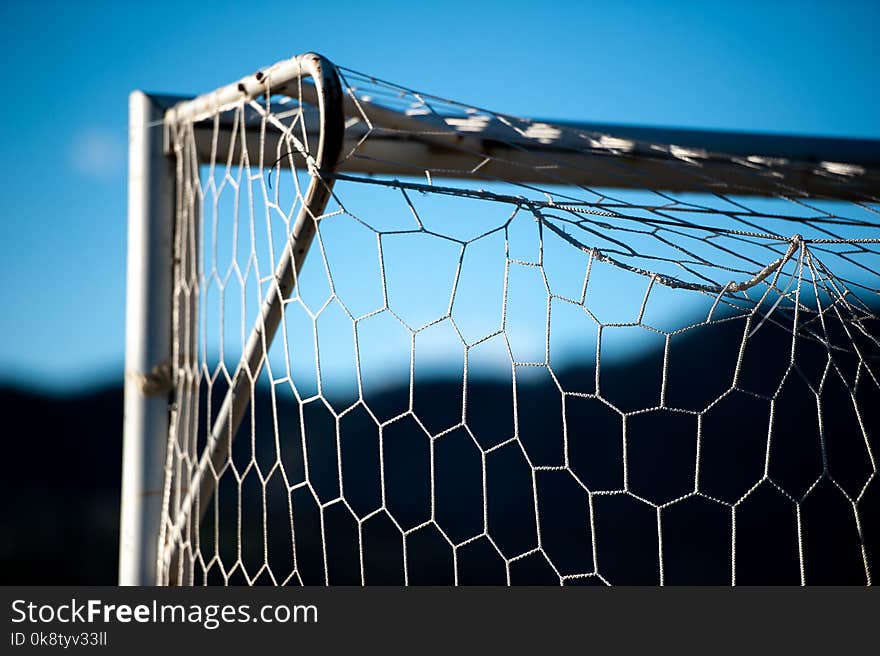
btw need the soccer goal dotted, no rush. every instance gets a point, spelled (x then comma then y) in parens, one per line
(376, 337)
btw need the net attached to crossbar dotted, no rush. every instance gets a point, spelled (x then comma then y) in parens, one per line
(474, 348)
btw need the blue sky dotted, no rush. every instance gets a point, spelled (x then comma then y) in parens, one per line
(795, 67)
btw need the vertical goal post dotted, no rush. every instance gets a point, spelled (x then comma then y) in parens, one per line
(305, 116)
(148, 339)
(148, 352)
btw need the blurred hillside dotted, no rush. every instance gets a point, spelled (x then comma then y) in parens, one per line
(62, 470)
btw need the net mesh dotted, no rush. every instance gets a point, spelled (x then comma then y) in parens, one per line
(491, 371)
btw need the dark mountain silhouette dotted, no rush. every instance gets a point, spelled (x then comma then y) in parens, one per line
(60, 487)
(62, 457)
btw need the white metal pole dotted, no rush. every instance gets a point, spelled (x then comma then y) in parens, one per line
(147, 340)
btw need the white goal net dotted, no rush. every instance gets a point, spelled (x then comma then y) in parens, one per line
(477, 349)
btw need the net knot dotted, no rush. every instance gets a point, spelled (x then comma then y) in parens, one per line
(159, 380)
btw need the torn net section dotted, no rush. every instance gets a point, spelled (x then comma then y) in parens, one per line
(492, 372)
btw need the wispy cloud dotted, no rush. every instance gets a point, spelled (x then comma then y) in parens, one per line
(97, 153)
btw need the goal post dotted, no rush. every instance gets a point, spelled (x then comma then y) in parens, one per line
(278, 432)
(152, 260)
(148, 339)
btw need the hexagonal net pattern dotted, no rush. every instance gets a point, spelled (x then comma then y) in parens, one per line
(491, 371)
